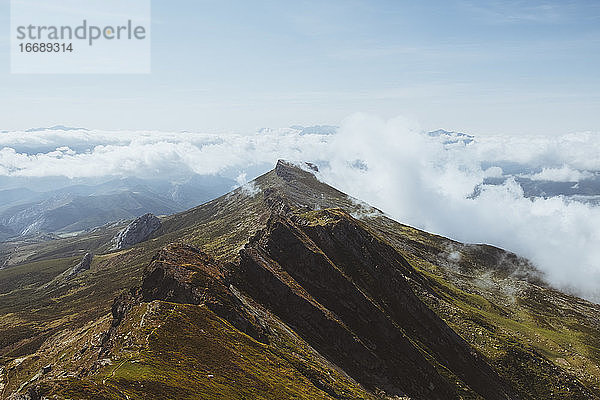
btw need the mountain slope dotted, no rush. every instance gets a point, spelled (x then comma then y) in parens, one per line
(288, 288)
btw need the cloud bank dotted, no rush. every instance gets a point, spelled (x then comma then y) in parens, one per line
(422, 180)
(424, 183)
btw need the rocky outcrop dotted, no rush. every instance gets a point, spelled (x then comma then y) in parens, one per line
(84, 265)
(331, 278)
(137, 231)
(287, 171)
(182, 274)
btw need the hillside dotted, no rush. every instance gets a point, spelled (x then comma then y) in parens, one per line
(288, 288)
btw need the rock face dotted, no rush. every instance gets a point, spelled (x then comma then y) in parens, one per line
(328, 277)
(83, 265)
(183, 274)
(137, 231)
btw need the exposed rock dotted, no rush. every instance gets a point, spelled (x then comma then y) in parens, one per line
(31, 394)
(182, 274)
(286, 170)
(83, 265)
(336, 280)
(342, 308)
(312, 166)
(137, 231)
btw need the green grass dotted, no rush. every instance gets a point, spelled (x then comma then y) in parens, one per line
(32, 275)
(187, 352)
(518, 345)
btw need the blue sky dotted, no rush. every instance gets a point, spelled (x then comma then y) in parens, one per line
(515, 67)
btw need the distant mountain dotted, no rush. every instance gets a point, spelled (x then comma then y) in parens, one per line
(76, 213)
(583, 186)
(14, 196)
(6, 233)
(316, 129)
(288, 288)
(56, 128)
(585, 191)
(304, 130)
(81, 207)
(198, 189)
(452, 137)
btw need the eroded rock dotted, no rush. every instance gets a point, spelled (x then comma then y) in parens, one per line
(137, 231)
(83, 265)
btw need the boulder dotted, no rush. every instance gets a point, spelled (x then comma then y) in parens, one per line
(137, 231)
(83, 265)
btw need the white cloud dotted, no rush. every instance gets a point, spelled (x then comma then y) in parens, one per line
(426, 184)
(577, 150)
(49, 153)
(562, 174)
(493, 172)
(248, 188)
(416, 179)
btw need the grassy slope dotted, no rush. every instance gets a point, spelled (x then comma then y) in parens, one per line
(542, 340)
(32, 296)
(177, 351)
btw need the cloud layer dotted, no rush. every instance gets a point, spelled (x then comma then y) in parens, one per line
(421, 180)
(424, 183)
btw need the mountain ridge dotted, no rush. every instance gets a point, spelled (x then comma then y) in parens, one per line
(283, 275)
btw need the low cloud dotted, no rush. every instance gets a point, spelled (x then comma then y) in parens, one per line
(89, 154)
(417, 179)
(248, 188)
(562, 174)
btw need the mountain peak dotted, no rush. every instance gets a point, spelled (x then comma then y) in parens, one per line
(301, 189)
(451, 137)
(289, 171)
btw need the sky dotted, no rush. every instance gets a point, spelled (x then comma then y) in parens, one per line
(482, 67)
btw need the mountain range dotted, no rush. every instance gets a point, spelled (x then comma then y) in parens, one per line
(25, 213)
(287, 288)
